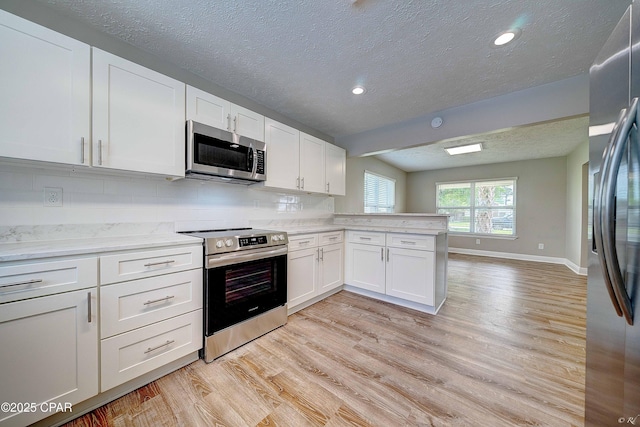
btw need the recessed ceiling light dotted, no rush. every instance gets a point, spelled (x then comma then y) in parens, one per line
(358, 90)
(506, 37)
(463, 149)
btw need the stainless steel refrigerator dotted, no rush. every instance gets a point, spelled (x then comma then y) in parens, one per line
(613, 331)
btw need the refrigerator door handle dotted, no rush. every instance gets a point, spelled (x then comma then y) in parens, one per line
(611, 161)
(598, 241)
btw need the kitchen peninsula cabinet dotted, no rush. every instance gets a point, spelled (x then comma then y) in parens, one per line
(45, 94)
(405, 267)
(49, 335)
(208, 109)
(315, 267)
(138, 118)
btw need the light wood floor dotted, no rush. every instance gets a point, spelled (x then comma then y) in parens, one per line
(507, 349)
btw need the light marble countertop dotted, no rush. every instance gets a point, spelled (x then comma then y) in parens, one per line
(19, 251)
(293, 231)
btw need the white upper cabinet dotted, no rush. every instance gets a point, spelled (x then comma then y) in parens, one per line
(335, 170)
(138, 117)
(283, 155)
(44, 94)
(213, 111)
(311, 164)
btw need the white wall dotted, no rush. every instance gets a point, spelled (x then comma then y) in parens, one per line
(576, 224)
(540, 204)
(90, 197)
(353, 201)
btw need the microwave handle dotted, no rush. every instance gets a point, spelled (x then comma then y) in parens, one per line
(253, 159)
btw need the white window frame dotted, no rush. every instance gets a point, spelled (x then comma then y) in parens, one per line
(379, 205)
(472, 209)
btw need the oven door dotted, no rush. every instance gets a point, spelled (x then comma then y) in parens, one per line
(242, 285)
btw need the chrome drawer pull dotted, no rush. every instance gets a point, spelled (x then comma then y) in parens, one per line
(150, 349)
(304, 242)
(27, 282)
(365, 238)
(169, 261)
(167, 298)
(333, 238)
(407, 242)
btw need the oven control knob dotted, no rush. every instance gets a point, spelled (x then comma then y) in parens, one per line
(228, 242)
(274, 238)
(219, 244)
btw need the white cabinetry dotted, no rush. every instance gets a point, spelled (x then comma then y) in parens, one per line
(138, 118)
(314, 267)
(335, 170)
(302, 162)
(213, 111)
(44, 94)
(49, 335)
(410, 267)
(151, 310)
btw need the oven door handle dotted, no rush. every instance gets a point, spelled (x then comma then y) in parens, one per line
(214, 261)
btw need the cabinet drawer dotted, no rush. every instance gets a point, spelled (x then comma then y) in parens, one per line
(411, 241)
(130, 305)
(303, 241)
(365, 237)
(137, 265)
(129, 355)
(36, 279)
(331, 237)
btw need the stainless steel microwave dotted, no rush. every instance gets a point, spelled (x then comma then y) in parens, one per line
(216, 154)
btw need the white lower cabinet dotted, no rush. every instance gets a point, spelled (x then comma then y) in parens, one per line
(314, 267)
(49, 354)
(406, 266)
(152, 314)
(134, 353)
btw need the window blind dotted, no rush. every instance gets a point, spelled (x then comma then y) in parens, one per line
(379, 193)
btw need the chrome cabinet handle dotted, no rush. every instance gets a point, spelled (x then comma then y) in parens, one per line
(150, 349)
(235, 124)
(387, 254)
(229, 122)
(382, 254)
(167, 298)
(298, 182)
(302, 183)
(100, 152)
(328, 183)
(89, 303)
(321, 254)
(151, 264)
(82, 150)
(612, 158)
(26, 282)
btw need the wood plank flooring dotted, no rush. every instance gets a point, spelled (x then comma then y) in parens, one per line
(507, 349)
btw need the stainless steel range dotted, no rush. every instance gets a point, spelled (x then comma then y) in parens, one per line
(245, 286)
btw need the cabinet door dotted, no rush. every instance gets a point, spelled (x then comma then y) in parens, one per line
(202, 107)
(335, 170)
(49, 352)
(311, 164)
(302, 273)
(138, 117)
(410, 275)
(283, 155)
(365, 267)
(247, 123)
(331, 267)
(44, 94)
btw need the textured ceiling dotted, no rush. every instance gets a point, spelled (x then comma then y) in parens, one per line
(543, 140)
(302, 57)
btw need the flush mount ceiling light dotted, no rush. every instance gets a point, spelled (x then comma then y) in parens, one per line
(506, 37)
(463, 149)
(358, 90)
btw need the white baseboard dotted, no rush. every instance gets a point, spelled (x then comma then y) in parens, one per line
(523, 257)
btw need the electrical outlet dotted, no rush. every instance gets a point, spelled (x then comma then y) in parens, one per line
(52, 196)
(477, 241)
(540, 245)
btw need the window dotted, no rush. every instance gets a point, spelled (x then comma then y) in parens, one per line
(479, 207)
(379, 193)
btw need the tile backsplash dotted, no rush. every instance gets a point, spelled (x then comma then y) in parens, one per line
(92, 197)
